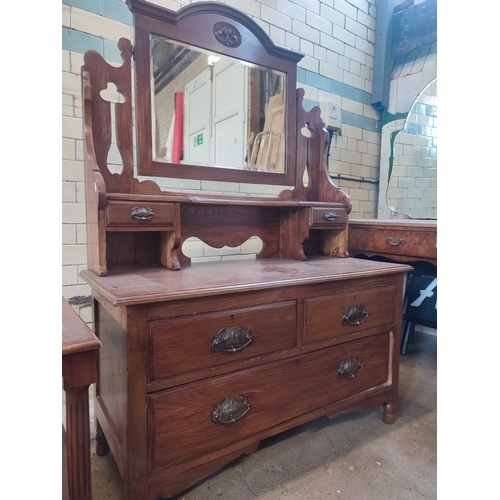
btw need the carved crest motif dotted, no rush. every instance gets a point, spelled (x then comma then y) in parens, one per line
(227, 34)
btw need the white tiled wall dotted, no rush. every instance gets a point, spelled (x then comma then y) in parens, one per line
(336, 38)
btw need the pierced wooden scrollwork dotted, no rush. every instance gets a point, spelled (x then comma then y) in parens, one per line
(231, 339)
(230, 410)
(227, 34)
(349, 368)
(142, 213)
(355, 315)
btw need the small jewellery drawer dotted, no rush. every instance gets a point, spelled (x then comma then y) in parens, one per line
(345, 313)
(190, 343)
(321, 217)
(131, 214)
(198, 419)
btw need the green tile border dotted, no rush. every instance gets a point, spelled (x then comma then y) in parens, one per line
(343, 90)
(111, 9)
(77, 41)
(116, 10)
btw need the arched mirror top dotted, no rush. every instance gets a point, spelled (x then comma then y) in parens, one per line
(412, 189)
(216, 99)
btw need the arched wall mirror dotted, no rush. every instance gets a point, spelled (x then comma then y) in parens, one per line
(412, 190)
(216, 100)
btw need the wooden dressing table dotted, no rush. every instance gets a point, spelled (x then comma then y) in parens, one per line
(200, 362)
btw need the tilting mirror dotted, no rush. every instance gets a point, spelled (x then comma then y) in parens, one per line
(214, 110)
(412, 191)
(216, 99)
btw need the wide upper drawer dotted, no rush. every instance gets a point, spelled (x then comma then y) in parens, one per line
(323, 217)
(196, 420)
(411, 242)
(345, 313)
(134, 215)
(201, 341)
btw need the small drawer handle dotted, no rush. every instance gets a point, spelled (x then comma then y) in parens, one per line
(230, 410)
(142, 213)
(395, 241)
(330, 215)
(355, 315)
(349, 368)
(232, 339)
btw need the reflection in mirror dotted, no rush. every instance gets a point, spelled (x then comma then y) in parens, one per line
(412, 191)
(214, 110)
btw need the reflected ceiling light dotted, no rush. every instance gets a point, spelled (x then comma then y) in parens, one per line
(213, 59)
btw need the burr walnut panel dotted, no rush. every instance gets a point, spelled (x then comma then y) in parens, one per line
(394, 242)
(403, 240)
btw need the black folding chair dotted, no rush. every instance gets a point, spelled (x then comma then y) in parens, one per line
(419, 305)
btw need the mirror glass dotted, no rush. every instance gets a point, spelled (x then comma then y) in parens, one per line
(213, 110)
(412, 191)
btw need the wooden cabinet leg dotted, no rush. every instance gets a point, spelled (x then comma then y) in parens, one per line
(101, 446)
(78, 443)
(389, 416)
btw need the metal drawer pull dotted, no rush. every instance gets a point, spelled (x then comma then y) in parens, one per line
(231, 339)
(349, 368)
(355, 315)
(330, 215)
(142, 213)
(395, 241)
(230, 410)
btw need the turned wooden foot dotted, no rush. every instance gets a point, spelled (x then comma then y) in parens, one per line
(389, 416)
(101, 446)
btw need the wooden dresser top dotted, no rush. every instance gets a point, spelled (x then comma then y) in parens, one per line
(132, 286)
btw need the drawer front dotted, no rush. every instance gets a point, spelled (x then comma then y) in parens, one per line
(346, 313)
(133, 214)
(181, 345)
(187, 423)
(387, 241)
(322, 218)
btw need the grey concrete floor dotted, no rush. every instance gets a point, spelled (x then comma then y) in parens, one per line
(353, 457)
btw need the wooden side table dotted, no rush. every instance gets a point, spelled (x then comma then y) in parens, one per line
(79, 370)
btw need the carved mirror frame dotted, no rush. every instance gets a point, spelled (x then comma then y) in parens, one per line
(203, 25)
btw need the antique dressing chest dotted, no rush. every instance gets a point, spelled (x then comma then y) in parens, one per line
(201, 361)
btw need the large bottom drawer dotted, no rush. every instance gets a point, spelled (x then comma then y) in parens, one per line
(192, 421)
